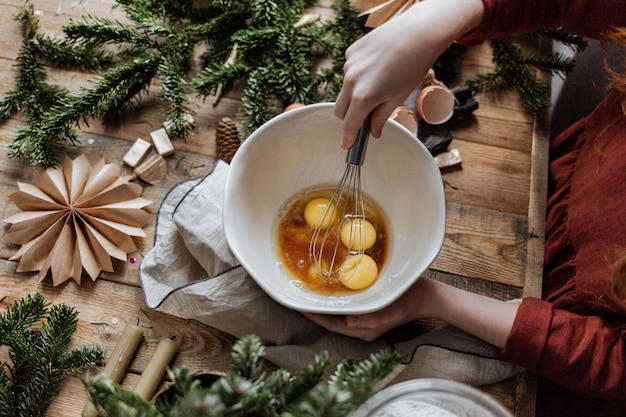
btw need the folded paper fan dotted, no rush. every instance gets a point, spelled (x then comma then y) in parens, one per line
(76, 217)
(379, 11)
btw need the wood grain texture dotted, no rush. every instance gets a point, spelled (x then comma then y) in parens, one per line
(484, 244)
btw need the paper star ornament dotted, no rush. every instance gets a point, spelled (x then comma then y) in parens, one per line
(76, 217)
(379, 11)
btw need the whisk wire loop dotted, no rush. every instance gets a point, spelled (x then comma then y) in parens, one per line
(325, 248)
(331, 231)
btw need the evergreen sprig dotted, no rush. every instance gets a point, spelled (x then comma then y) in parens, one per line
(247, 390)
(37, 336)
(278, 55)
(68, 55)
(574, 42)
(150, 48)
(33, 96)
(515, 69)
(337, 36)
(96, 32)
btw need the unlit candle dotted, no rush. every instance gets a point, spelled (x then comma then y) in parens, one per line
(116, 365)
(152, 375)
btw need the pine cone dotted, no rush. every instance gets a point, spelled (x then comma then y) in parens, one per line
(226, 139)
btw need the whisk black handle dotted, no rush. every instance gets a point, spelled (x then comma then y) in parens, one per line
(356, 154)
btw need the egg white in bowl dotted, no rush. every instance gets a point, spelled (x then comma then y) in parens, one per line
(298, 150)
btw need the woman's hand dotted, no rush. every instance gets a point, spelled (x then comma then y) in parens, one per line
(386, 65)
(415, 303)
(482, 316)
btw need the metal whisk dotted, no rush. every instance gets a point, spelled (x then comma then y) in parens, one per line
(326, 251)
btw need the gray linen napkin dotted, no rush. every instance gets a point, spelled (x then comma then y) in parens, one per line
(191, 273)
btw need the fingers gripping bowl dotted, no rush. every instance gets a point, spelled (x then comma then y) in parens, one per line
(299, 150)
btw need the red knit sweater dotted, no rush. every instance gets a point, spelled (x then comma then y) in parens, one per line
(571, 338)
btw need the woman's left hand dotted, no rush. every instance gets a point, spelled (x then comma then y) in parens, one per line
(411, 305)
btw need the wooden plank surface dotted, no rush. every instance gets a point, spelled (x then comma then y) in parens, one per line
(495, 211)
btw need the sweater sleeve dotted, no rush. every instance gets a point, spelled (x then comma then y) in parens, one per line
(589, 18)
(563, 347)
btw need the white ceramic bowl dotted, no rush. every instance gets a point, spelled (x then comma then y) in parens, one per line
(300, 149)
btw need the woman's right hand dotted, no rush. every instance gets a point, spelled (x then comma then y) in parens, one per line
(386, 65)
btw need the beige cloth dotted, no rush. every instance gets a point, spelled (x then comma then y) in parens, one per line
(191, 273)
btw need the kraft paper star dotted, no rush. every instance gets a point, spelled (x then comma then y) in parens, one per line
(379, 11)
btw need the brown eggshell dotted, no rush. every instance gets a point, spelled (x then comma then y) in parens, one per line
(293, 106)
(406, 117)
(435, 104)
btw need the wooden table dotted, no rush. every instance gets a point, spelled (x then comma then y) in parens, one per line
(495, 214)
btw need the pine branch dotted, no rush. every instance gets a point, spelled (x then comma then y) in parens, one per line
(256, 104)
(156, 7)
(574, 42)
(22, 315)
(96, 32)
(279, 383)
(218, 29)
(33, 142)
(253, 44)
(306, 381)
(215, 75)
(294, 70)
(245, 356)
(114, 89)
(5, 392)
(275, 50)
(533, 93)
(33, 96)
(108, 98)
(361, 377)
(488, 81)
(113, 401)
(56, 332)
(177, 11)
(351, 385)
(32, 73)
(37, 337)
(552, 63)
(514, 68)
(65, 54)
(75, 361)
(278, 55)
(115, 92)
(246, 391)
(10, 104)
(276, 13)
(334, 38)
(318, 402)
(299, 389)
(175, 89)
